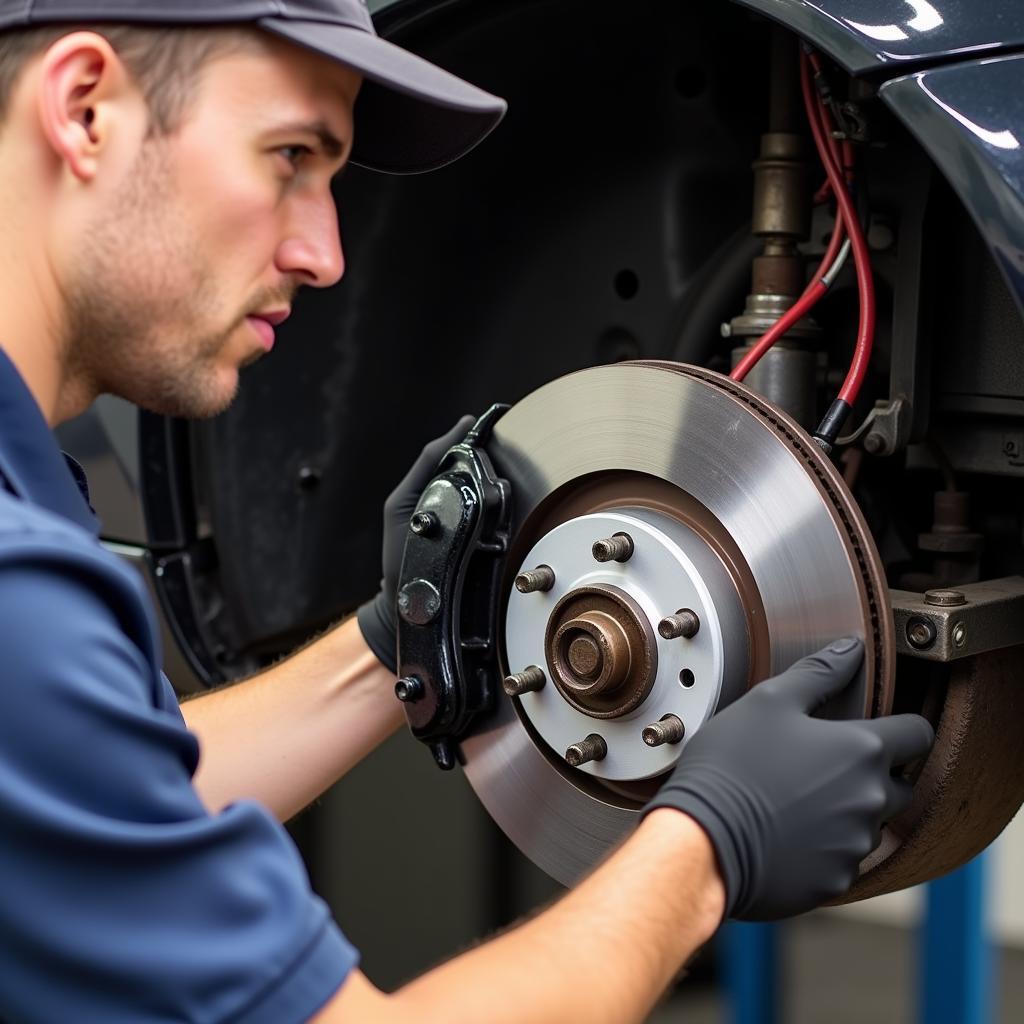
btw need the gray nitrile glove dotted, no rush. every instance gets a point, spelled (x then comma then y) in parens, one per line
(792, 803)
(378, 618)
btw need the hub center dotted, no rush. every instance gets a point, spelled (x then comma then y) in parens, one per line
(606, 641)
(601, 651)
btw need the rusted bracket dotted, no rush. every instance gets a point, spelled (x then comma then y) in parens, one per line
(946, 625)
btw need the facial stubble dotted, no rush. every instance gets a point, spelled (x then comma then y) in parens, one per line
(141, 301)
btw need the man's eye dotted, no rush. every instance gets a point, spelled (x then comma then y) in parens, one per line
(295, 154)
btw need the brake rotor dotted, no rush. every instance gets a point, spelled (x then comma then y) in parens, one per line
(733, 516)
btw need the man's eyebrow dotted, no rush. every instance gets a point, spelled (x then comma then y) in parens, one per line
(329, 142)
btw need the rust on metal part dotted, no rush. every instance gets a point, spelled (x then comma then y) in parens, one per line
(601, 651)
(956, 810)
(533, 581)
(530, 680)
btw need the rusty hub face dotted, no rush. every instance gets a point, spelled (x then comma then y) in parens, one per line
(601, 651)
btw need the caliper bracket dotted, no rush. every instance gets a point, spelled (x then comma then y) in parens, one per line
(946, 625)
(448, 595)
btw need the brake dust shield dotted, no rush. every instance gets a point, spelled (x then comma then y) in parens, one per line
(735, 515)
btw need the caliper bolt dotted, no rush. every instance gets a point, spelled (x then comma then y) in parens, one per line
(669, 729)
(959, 634)
(683, 624)
(593, 748)
(920, 633)
(409, 690)
(945, 598)
(530, 680)
(533, 580)
(874, 443)
(617, 548)
(424, 524)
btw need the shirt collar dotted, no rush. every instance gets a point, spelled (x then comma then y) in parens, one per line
(31, 463)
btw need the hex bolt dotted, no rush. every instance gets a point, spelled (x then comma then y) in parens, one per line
(683, 624)
(874, 443)
(669, 729)
(959, 634)
(409, 689)
(920, 633)
(593, 748)
(617, 548)
(532, 581)
(945, 598)
(530, 680)
(424, 524)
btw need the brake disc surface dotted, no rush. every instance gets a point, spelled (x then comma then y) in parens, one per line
(736, 508)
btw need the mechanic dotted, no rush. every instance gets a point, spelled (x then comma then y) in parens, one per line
(165, 182)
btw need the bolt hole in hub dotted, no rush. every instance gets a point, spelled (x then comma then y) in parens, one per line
(637, 603)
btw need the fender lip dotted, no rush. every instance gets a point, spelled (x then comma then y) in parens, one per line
(870, 36)
(969, 118)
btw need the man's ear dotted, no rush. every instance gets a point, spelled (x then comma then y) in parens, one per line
(80, 78)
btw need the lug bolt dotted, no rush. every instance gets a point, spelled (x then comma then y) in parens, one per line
(530, 680)
(683, 624)
(424, 524)
(669, 729)
(593, 748)
(409, 690)
(920, 633)
(617, 548)
(533, 580)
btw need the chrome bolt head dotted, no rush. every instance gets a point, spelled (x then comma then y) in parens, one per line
(424, 524)
(409, 689)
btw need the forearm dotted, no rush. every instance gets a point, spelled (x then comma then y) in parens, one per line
(285, 736)
(604, 953)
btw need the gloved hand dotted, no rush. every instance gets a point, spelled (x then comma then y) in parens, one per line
(378, 618)
(792, 803)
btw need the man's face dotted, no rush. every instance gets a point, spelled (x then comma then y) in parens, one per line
(188, 263)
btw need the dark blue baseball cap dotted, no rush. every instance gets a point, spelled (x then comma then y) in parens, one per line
(411, 116)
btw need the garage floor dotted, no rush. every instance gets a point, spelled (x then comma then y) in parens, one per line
(846, 973)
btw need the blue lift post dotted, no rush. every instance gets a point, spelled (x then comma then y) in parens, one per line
(751, 964)
(956, 961)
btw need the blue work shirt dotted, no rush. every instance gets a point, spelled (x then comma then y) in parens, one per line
(121, 897)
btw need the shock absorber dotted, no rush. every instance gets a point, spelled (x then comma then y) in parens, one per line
(787, 374)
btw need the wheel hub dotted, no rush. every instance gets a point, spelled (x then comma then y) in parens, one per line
(739, 526)
(595, 633)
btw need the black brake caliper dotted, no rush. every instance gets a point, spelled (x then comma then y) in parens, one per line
(448, 595)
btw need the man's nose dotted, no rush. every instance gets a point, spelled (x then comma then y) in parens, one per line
(311, 251)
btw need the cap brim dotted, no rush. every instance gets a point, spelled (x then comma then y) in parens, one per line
(411, 116)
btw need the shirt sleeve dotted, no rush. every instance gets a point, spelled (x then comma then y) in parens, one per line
(123, 898)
